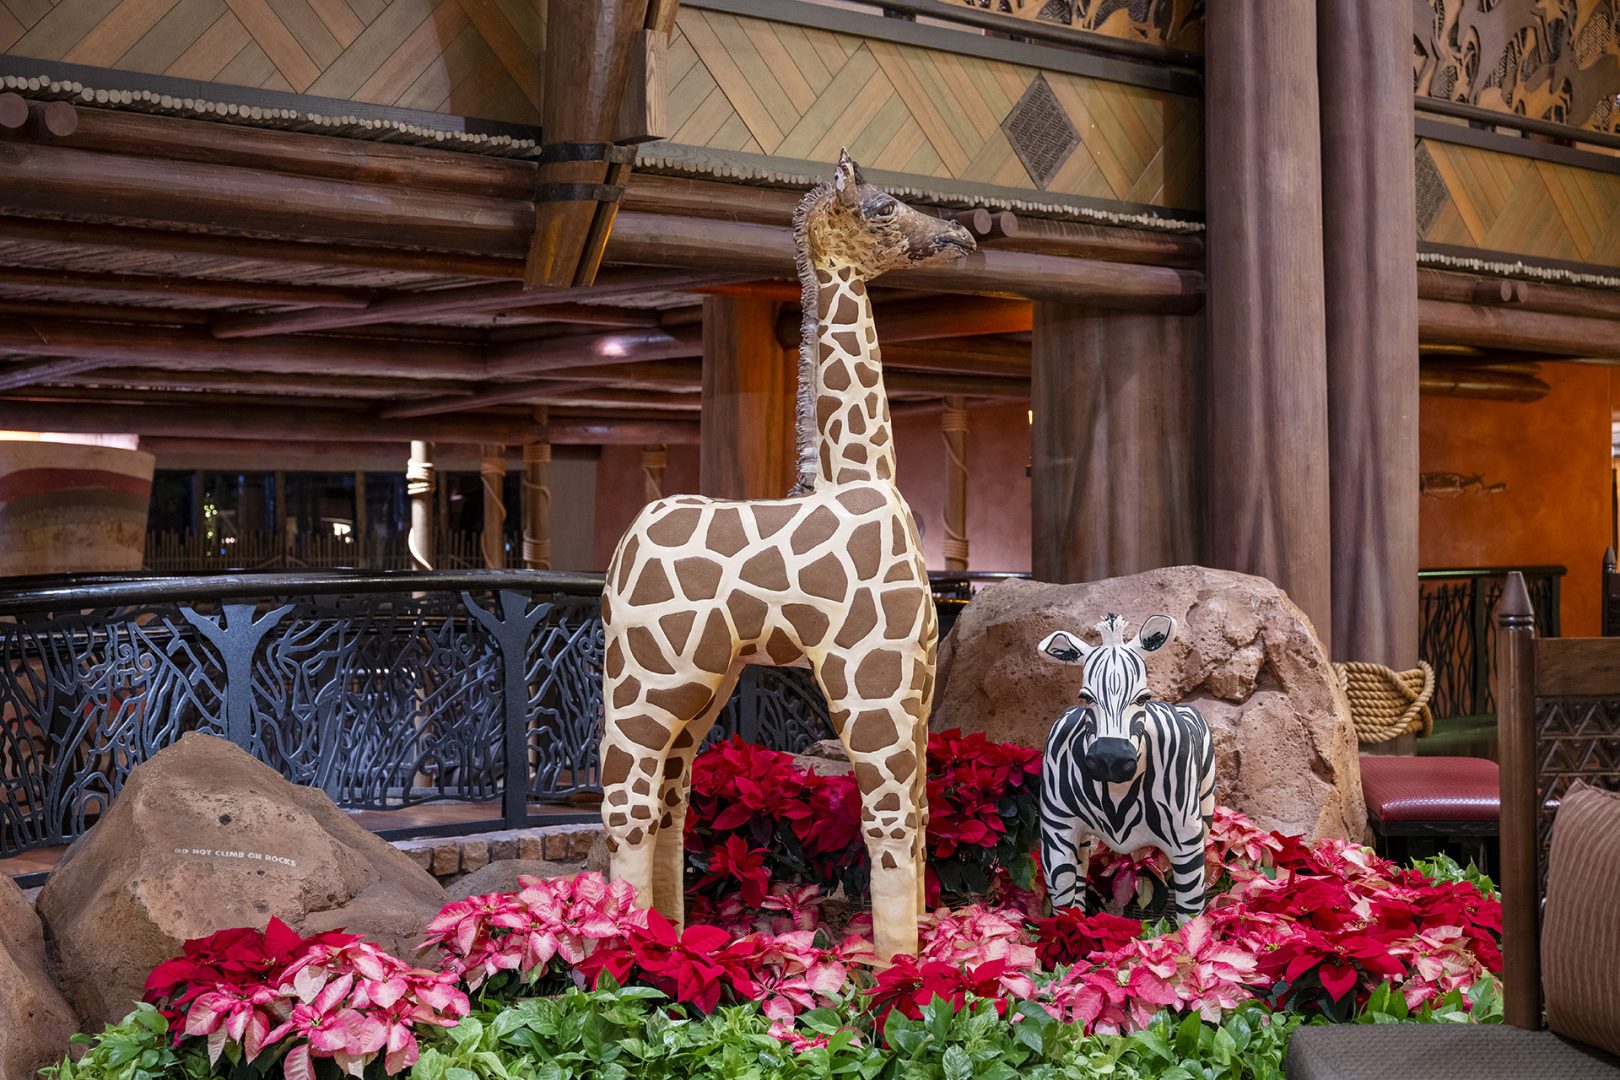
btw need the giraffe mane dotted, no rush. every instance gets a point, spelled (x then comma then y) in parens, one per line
(809, 324)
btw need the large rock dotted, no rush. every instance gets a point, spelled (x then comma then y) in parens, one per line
(35, 1022)
(502, 876)
(1243, 655)
(202, 838)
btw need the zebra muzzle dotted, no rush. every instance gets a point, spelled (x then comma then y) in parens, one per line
(1111, 760)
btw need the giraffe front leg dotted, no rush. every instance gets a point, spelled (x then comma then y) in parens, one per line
(1065, 856)
(631, 773)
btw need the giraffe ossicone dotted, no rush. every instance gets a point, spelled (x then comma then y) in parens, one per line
(831, 578)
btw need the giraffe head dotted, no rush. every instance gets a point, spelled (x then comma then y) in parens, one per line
(1113, 692)
(847, 222)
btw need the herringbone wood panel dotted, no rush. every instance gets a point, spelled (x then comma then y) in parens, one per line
(1501, 202)
(467, 57)
(749, 85)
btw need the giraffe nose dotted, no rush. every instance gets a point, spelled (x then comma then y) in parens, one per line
(1112, 760)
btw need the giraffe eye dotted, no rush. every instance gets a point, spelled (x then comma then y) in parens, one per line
(883, 209)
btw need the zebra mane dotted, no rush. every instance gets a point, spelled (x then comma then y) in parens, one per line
(1112, 629)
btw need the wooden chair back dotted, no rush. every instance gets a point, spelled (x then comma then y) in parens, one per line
(1558, 721)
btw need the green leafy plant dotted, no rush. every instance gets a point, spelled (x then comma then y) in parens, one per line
(136, 1048)
(1443, 867)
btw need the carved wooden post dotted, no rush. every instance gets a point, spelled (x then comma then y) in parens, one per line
(1370, 250)
(537, 500)
(1114, 399)
(420, 483)
(1521, 806)
(492, 471)
(654, 459)
(1267, 405)
(746, 448)
(953, 425)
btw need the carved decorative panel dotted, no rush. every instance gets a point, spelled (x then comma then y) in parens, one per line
(1178, 24)
(1040, 132)
(1556, 60)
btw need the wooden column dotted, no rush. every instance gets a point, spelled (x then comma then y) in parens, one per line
(1267, 371)
(953, 426)
(420, 483)
(537, 500)
(1520, 871)
(654, 460)
(746, 444)
(360, 529)
(1116, 406)
(492, 471)
(1370, 262)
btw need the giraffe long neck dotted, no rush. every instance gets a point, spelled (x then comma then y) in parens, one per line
(854, 436)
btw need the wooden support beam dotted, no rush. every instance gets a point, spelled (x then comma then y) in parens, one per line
(468, 300)
(50, 179)
(1460, 288)
(577, 193)
(32, 373)
(660, 240)
(249, 382)
(182, 290)
(1269, 512)
(128, 238)
(1116, 400)
(973, 386)
(747, 449)
(961, 356)
(548, 391)
(337, 425)
(519, 358)
(180, 349)
(254, 455)
(929, 319)
(420, 484)
(1513, 327)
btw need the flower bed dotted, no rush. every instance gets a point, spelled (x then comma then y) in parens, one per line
(568, 978)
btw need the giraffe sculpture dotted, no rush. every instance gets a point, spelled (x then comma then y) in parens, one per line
(831, 578)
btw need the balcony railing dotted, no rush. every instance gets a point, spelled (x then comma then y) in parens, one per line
(1458, 634)
(387, 691)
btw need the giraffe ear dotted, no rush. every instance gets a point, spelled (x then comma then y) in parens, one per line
(847, 179)
(1156, 630)
(1064, 647)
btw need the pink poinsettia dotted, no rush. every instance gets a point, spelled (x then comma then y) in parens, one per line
(789, 972)
(973, 935)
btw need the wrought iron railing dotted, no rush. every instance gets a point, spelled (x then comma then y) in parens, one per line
(1458, 634)
(386, 690)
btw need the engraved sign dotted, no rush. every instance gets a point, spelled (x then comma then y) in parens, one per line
(246, 856)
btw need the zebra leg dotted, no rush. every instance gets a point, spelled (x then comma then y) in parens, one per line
(1065, 854)
(1187, 878)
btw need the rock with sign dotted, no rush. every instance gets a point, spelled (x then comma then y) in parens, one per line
(202, 838)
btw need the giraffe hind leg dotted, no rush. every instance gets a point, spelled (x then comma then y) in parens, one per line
(669, 859)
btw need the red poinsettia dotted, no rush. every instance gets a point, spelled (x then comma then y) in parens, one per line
(1071, 936)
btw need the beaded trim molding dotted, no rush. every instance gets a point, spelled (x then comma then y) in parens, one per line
(358, 127)
(1526, 271)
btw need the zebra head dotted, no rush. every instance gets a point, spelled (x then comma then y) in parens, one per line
(1113, 692)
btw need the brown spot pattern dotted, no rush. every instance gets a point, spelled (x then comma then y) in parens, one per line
(771, 518)
(825, 578)
(832, 677)
(766, 570)
(818, 528)
(627, 561)
(714, 647)
(677, 628)
(902, 765)
(878, 675)
(615, 659)
(835, 376)
(862, 500)
(626, 693)
(873, 730)
(747, 614)
(652, 587)
(645, 731)
(615, 766)
(780, 648)
(682, 702)
(860, 621)
(900, 612)
(699, 577)
(810, 623)
(726, 534)
(674, 528)
(865, 549)
(644, 648)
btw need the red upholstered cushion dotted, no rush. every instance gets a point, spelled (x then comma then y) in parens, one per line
(1430, 788)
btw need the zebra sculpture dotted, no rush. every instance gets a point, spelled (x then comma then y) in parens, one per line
(1125, 769)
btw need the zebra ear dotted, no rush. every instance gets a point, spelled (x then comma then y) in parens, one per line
(1064, 647)
(1155, 631)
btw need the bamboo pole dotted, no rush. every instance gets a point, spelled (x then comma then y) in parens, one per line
(492, 471)
(537, 499)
